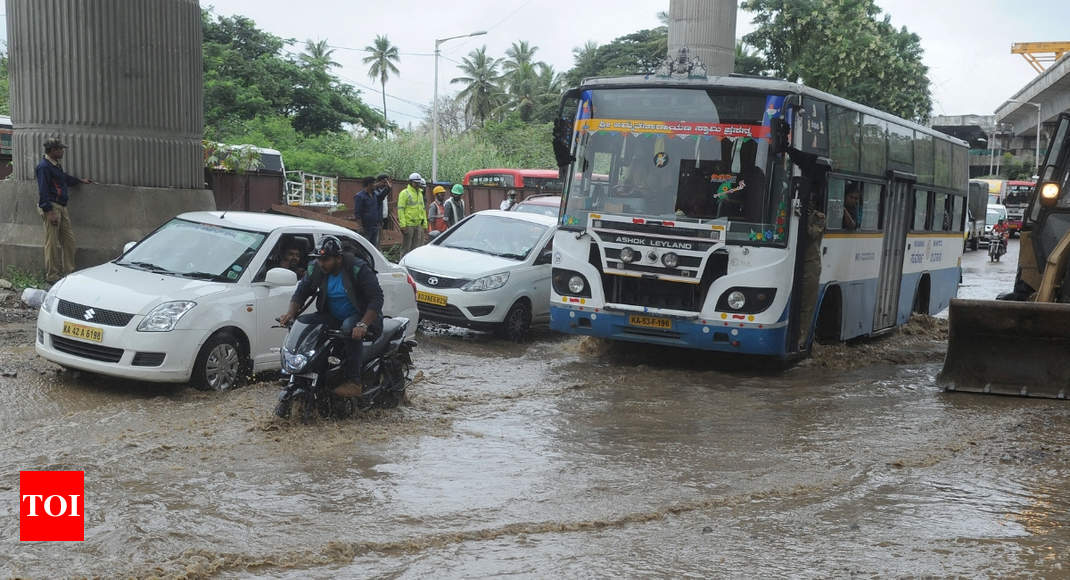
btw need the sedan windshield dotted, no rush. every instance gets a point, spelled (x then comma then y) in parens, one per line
(495, 236)
(195, 250)
(546, 210)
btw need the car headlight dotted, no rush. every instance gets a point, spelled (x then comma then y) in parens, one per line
(576, 284)
(49, 303)
(164, 317)
(492, 282)
(293, 363)
(670, 260)
(736, 300)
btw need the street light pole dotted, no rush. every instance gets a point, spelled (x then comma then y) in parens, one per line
(434, 105)
(1036, 155)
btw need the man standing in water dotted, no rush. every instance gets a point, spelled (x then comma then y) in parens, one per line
(52, 189)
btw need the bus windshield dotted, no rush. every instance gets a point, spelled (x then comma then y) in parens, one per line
(682, 154)
(1018, 194)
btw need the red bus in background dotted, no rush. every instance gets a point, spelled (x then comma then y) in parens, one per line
(1016, 196)
(544, 180)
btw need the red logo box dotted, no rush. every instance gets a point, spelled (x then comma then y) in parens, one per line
(51, 506)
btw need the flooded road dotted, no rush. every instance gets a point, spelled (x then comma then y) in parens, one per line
(561, 457)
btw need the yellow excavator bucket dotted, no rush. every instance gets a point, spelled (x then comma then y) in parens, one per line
(1008, 348)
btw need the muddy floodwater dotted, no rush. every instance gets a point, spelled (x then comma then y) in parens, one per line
(563, 457)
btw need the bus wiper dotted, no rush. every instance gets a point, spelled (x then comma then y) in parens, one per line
(150, 267)
(203, 276)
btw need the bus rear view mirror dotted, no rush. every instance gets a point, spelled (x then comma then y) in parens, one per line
(563, 144)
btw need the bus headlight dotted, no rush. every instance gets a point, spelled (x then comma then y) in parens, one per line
(670, 260)
(576, 284)
(746, 300)
(628, 255)
(736, 300)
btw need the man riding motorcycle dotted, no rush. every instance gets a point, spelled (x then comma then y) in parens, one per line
(348, 296)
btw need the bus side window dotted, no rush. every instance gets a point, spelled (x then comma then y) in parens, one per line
(871, 206)
(834, 208)
(921, 210)
(941, 217)
(960, 204)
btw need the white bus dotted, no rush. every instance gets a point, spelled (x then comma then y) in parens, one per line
(688, 203)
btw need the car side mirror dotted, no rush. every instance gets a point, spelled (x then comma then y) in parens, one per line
(547, 257)
(280, 277)
(128, 246)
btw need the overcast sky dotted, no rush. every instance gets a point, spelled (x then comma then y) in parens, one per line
(967, 42)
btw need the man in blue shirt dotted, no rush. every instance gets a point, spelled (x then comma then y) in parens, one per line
(348, 295)
(52, 184)
(367, 210)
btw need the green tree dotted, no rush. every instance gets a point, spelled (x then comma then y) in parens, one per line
(747, 62)
(246, 76)
(382, 58)
(637, 53)
(5, 92)
(843, 47)
(482, 93)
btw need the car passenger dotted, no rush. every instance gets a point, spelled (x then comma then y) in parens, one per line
(292, 257)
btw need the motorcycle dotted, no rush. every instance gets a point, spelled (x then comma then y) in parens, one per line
(313, 356)
(997, 246)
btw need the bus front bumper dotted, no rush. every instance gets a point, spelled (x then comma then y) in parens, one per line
(723, 336)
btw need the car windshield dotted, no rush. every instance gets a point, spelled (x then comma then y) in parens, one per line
(547, 210)
(495, 236)
(195, 250)
(992, 217)
(682, 154)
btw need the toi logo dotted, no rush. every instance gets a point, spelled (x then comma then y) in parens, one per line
(51, 506)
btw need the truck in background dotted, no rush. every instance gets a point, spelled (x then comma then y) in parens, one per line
(976, 207)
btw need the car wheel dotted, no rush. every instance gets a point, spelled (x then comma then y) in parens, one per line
(220, 363)
(517, 322)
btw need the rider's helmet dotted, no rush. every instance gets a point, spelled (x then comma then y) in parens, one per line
(329, 246)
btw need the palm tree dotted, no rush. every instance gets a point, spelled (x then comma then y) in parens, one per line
(318, 55)
(382, 58)
(481, 92)
(519, 56)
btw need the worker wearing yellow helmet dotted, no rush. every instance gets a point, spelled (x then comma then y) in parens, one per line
(436, 213)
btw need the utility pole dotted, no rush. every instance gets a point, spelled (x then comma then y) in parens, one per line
(434, 105)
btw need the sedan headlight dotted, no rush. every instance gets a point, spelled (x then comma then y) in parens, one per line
(293, 363)
(49, 303)
(492, 282)
(164, 317)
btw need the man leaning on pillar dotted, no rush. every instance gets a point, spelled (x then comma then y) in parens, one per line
(52, 188)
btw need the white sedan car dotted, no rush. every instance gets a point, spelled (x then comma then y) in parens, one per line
(196, 300)
(491, 271)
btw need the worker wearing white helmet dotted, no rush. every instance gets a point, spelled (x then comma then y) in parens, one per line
(412, 214)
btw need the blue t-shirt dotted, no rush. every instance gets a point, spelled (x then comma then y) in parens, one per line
(337, 300)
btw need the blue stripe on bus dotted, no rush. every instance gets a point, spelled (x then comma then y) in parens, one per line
(684, 333)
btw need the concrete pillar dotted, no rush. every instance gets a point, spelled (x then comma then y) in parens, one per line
(119, 81)
(707, 28)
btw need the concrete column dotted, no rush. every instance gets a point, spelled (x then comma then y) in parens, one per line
(119, 81)
(707, 28)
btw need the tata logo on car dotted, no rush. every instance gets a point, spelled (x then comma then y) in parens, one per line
(432, 281)
(654, 243)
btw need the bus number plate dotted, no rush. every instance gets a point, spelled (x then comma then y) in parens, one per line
(429, 298)
(83, 332)
(650, 322)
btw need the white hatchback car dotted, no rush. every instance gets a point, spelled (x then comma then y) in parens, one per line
(491, 271)
(196, 300)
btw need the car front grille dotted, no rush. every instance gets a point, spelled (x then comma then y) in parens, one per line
(86, 349)
(82, 313)
(424, 279)
(448, 311)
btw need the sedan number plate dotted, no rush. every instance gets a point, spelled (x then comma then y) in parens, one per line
(83, 332)
(429, 298)
(650, 322)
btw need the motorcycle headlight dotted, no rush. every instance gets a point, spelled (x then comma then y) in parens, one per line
(293, 363)
(492, 282)
(164, 317)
